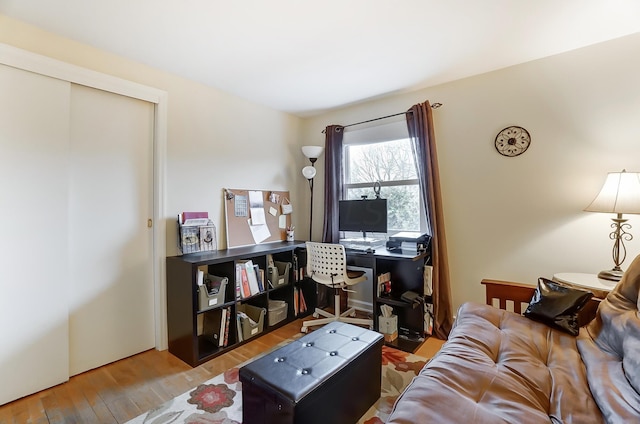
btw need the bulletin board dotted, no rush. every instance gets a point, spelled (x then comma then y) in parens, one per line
(256, 216)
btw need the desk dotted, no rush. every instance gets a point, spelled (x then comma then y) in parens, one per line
(406, 268)
(598, 286)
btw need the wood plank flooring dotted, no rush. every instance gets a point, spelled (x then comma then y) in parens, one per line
(118, 392)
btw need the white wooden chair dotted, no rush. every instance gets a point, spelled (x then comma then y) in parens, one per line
(327, 264)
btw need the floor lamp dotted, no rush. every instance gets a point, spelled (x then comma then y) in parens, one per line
(619, 194)
(312, 153)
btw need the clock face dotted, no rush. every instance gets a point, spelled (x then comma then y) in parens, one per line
(512, 141)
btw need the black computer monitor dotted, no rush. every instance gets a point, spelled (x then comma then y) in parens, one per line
(363, 216)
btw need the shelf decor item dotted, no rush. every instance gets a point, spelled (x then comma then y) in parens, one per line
(620, 194)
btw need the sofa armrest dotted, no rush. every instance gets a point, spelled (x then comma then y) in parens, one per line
(504, 291)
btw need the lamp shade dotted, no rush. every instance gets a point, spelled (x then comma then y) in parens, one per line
(619, 194)
(312, 152)
(309, 172)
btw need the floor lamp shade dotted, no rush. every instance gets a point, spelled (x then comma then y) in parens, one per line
(620, 194)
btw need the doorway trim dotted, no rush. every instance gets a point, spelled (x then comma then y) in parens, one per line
(43, 65)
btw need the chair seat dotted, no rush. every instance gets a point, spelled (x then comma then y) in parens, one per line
(354, 274)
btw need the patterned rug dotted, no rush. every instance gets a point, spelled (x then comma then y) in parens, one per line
(219, 400)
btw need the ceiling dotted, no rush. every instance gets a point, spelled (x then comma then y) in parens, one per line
(307, 57)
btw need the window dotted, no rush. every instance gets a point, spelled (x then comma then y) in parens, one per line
(392, 164)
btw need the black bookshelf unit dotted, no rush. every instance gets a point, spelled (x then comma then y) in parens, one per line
(194, 331)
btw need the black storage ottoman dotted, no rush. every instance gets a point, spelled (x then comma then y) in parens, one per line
(331, 375)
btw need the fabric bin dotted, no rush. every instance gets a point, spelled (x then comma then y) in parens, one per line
(253, 324)
(211, 293)
(278, 275)
(277, 311)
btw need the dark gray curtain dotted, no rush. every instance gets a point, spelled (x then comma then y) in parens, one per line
(420, 125)
(332, 182)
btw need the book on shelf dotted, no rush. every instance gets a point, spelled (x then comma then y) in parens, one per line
(384, 285)
(303, 302)
(242, 281)
(260, 277)
(223, 321)
(226, 327)
(296, 309)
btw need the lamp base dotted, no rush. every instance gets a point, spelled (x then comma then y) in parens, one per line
(611, 274)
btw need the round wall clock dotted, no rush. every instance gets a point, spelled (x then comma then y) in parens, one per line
(512, 141)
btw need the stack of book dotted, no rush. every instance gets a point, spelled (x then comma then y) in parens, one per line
(249, 279)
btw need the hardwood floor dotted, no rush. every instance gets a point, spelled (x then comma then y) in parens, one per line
(118, 392)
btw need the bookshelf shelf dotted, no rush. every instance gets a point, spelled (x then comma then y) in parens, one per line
(197, 336)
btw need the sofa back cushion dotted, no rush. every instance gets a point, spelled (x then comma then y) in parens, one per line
(610, 349)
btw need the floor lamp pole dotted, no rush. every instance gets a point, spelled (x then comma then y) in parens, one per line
(309, 172)
(311, 209)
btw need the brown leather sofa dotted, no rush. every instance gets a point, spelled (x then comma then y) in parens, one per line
(501, 367)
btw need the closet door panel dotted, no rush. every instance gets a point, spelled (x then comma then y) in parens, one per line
(111, 295)
(34, 146)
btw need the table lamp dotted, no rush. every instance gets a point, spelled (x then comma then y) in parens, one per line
(312, 153)
(620, 194)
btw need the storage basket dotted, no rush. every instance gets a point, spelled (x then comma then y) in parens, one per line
(255, 314)
(211, 293)
(278, 275)
(277, 311)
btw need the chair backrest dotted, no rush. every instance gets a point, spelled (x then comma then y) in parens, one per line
(327, 264)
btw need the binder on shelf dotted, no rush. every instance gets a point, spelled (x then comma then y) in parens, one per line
(211, 326)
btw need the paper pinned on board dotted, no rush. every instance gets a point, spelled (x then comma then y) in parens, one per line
(259, 232)
(256, 206)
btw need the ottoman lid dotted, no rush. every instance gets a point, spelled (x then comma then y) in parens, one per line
(296, 369)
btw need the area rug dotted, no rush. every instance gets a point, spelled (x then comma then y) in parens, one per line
(219, 400)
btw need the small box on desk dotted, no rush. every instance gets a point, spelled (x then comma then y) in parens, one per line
(388, 325)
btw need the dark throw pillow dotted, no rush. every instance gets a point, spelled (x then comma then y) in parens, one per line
(557, 305)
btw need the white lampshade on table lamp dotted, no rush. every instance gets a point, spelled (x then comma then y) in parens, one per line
(620, 194)
(309, 172)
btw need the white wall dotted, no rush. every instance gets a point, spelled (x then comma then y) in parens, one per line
(521, 218)
(214, 141)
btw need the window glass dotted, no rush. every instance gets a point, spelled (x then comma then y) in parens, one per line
(392, 164)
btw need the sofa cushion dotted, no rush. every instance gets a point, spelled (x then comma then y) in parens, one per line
(500, 367)
(610, 349)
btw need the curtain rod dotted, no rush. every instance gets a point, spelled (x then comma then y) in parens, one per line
(433, 106)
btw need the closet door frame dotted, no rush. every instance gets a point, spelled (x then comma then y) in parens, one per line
(43, 65)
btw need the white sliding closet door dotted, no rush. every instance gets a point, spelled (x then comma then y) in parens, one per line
(111, 310)
(34, 149)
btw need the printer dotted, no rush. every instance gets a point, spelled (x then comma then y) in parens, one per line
(409, 241)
